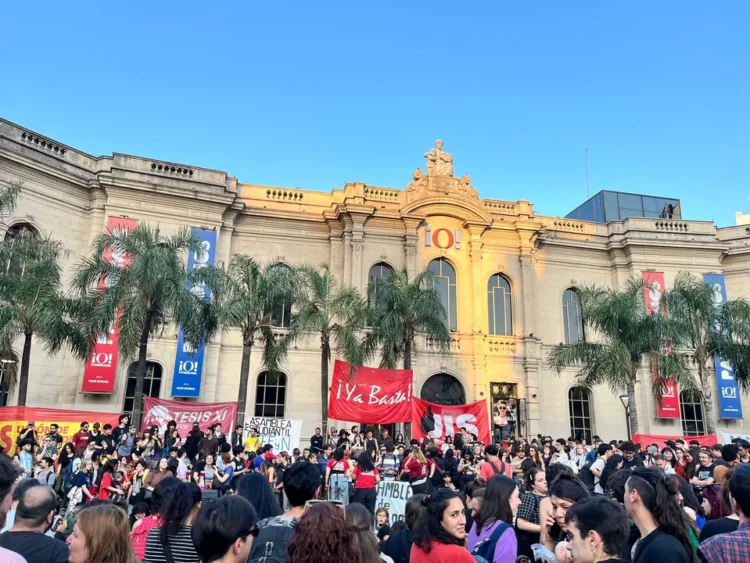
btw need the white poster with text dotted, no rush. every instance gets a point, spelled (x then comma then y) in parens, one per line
(282, 433)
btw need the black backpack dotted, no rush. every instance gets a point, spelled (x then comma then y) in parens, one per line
(585, 475)
(271, 544)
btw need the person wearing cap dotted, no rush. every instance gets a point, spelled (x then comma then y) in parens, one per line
(333, 439)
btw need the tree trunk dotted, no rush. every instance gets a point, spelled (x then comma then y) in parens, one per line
(632, 409)
(325, 350)
(708, 406)
(141, 372)
(244, 375)
(23, 378)
(407, 365)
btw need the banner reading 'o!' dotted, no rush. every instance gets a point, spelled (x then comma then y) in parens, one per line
(447, 420)
(158, 412)
(371, 396)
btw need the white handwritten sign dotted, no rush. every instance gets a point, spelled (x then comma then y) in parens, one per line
(392, 495)
(282, 433)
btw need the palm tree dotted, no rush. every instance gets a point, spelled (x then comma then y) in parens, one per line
(144, 296)
(32, 303)
(627, 335)
(243, 297)
(706, 327)
(332, 311)
(403, 306)
(8, 198)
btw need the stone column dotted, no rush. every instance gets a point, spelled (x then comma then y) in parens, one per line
(532, 345)
(410, 243)
(478, 304)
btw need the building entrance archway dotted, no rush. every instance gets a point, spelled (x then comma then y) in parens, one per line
(443, 389)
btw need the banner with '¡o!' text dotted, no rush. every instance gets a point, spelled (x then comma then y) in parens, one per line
(371, 395)
(440, 421)
(101, 366)
(158, 412)
(14, 420)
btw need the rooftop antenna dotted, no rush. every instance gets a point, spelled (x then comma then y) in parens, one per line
(588, 177)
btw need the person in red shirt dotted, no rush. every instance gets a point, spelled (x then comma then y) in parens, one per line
(366, 477)
(440, 535)
(419, 471)
(493, 464)
(81, 438)
(109, 485)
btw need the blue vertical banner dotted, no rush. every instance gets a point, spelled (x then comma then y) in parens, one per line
(730, 405)
(188, 363)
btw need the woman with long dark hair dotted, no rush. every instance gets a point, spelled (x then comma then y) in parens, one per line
(174, 534)
(528, 523)
(500, 504)
(366, 478)
(321, 536)
(532, 453)
(727, 524)
(256, 489)
(440, 536)
(613, 465)
(64, 460)
(565, 491)
(109, 487)
(162, 494)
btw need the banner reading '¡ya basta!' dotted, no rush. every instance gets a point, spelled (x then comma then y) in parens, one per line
(158, 412)
(670, 402)
(13, 420)
(447, 420)
(371, 396)
(101, 367)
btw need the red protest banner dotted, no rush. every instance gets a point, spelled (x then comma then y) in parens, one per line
(646, 440)
(158, 412)
(101, 367)
(13, 420)
(371, 395)
(446, 420)
(670, 401)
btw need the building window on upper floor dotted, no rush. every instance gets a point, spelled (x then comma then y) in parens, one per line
(270, 394)
(21, 230)
(151, 384)
(572, 319)
(579, 407)
(281, 313)
(444, 277)
(500, 306)
(691, 411)
(379, 273)
(443, 389)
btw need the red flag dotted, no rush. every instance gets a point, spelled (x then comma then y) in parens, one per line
(446, 420)
(670, 401)
(371, 396)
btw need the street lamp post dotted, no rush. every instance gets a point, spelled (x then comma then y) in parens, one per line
(625, 399)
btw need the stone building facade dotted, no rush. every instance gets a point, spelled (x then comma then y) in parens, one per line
(485, 252)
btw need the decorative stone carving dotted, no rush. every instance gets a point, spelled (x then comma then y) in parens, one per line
(527, 260)
(439, 162)
(358, 245)
(411, 249)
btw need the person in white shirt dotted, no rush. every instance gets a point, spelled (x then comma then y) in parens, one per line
(604, 452)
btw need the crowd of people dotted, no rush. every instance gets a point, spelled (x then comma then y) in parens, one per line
(113, 495)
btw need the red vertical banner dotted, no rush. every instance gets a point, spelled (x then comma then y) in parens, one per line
(101, 367)
(670, 402)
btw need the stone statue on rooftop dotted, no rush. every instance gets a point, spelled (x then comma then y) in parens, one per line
(439, 163)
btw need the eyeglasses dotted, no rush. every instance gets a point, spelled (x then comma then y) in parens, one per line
(312, 502)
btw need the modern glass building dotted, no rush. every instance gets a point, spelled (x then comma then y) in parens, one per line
(609, 206)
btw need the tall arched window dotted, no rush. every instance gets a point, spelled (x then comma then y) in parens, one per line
(572, 320)
(151, 384)
(579, 407)
(281, 313)
(8, 370)
(691, 410)
(500, 306)
(270, 394)
(20, 230)
(443, 389)
(445, 284)
(379, 273)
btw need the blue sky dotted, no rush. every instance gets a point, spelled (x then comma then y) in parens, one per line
(315, 94)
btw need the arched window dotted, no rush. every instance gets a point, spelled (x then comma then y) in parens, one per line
(270, 395)
(572, 320)
(443, 389)
(445, 284)
(500, 306)
(379, 273)
(151, 384)
(281, 313)
(20, 230)
(691, 410)
(8, 370)
(579, 406)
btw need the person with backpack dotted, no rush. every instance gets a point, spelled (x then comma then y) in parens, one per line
(79, 487)
(492, 537)
(493, 464)
(301, 484)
